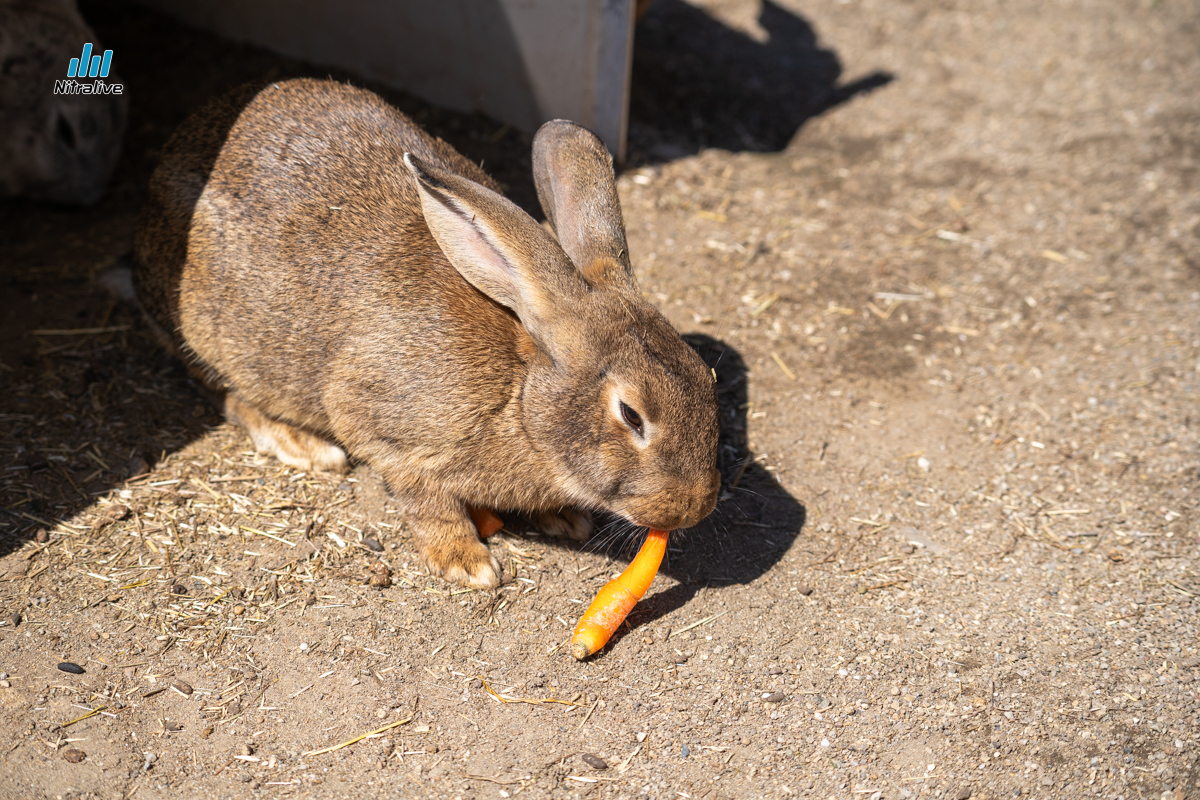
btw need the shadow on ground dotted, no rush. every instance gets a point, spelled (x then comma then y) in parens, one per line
(698, 83)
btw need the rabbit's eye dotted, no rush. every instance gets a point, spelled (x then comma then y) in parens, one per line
(632, 418)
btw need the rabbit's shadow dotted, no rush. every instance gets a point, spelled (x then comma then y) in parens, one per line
(698, 83)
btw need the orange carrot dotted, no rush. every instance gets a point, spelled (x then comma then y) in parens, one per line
(485, 521)
(618, 597)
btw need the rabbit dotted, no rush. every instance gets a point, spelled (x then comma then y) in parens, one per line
(350, 286)
(57, 147)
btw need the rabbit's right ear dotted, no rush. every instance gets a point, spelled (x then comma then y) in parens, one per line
(573, 173)
(498, 248)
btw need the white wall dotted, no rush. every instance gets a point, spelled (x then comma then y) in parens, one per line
(520, 61)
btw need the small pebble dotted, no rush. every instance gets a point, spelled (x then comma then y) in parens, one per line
(15, 619)
(596, 762)
(4, 684)
(246, 750)
(239, 610)
(114, 598)
(963, 794)
(68, 666)
(150, 759)
(42, 536)
(73, 755)
(641, 736)
(182, 687)
(775, 697)
(172, 727)
(477, 684)
(804, 589)
(681, 659)
(207, 732)
(380, 581)
(685, 751)
(179, 588)
(373, 545)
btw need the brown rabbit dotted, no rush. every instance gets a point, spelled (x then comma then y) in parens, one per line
(350, 284)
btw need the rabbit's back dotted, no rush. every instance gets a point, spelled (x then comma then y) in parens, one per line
(283, 240)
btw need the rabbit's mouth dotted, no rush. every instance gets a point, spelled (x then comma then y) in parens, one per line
(671, 509)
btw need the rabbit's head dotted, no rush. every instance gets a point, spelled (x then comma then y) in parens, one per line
(57, 147)
(612, 397)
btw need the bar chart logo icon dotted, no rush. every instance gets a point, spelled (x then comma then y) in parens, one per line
(88, 65)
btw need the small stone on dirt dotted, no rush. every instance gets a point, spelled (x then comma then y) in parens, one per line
(42, 536)
(73, 755)
(182, 687)
(595, 762)
(15, 619)
(963, 794)
(114, 598)
(804, 589)
(71, 667)
(775, 697)
(373, 545)
(178, 588)
(207, 732)
(380, 581)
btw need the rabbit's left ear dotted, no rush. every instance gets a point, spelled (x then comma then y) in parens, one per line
(573, 173)
(498, 248)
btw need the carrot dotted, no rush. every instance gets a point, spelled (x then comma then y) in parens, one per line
(485, 521)
(618, 597)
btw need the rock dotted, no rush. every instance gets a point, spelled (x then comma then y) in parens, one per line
(178, 588)
(964, 793)
(181, 687)
(73, 755)
(775, 697)
(595, 762)
(71, 667)
(373, 545)
(15, 619)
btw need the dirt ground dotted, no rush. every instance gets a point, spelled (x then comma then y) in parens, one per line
(945, 258)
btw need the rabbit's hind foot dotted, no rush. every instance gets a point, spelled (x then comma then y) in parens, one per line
(291, 445)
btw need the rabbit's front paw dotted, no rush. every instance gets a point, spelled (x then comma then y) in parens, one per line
(461, 559)
(569, 523)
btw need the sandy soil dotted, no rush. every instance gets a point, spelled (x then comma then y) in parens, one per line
(946, 260)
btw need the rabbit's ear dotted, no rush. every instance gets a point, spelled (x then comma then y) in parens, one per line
(497, 247)
(574, 176)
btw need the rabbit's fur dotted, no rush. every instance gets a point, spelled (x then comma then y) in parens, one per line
(352, 285)
(61, 148)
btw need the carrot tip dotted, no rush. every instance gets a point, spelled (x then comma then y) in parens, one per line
(580, 651)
